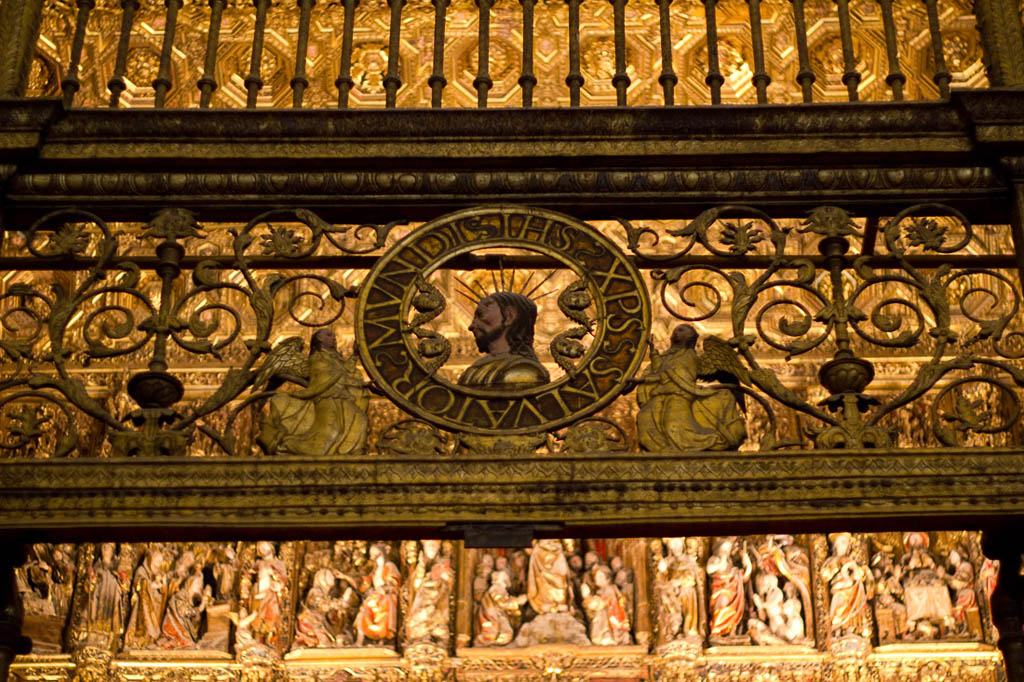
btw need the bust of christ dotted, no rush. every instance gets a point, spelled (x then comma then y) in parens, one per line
(503, 328)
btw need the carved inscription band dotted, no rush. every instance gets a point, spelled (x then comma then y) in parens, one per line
(397, 352)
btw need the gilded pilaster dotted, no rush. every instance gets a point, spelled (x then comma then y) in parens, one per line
(1003, 41)
(19, 28)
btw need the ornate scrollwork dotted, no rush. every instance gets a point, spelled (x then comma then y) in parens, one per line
(773, 291)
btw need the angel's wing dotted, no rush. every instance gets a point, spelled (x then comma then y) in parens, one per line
(286, 361)
(719, 362)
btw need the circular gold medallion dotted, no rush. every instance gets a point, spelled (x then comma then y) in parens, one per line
(402, 356)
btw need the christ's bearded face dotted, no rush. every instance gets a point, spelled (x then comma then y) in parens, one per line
(488, 324)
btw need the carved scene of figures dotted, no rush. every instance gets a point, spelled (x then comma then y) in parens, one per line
(46, 583)
(181, 596)
(926, 586)
(555, 592)
(349, 594)
(759, 591)
(679, 589)
(182, 600)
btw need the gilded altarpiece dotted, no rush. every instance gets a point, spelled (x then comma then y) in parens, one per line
(658, 608)
(487, 339)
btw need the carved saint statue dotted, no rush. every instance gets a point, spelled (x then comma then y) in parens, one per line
(35, 583)
(185, 609)
(605, 606)
(678, 414)
(263, 597)
(676, 586)
(313, 624)
(890, 612)
(429, 587)
(728, 603)
(328, 416)
(924, 588)
(105, 586)
(960, 579)
(149, 595)
(377, 619)
(850, 585)
(503, 328)
(498, 613)
(548, 581)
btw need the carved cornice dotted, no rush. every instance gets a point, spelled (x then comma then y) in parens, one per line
(298, 497)
(659, 160)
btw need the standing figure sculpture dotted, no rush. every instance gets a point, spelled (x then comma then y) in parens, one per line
(377, 619)
(430, 585)
(548, 581)
(503, 328)
(149, 596)
(677, 588)
(678, 414)
(550, 593)
(728, 602)
(263, 597)
(850, 585)
(105, 587)
(328, 416)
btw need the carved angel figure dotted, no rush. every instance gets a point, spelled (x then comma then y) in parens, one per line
(678, 414)
(328, 416)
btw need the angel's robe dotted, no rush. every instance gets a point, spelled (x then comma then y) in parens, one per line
(328, 417)
(677, 414)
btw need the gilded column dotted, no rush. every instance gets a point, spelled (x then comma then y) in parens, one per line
(635, 555)
(1003, 41)
(468, 557)
(19, 28)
